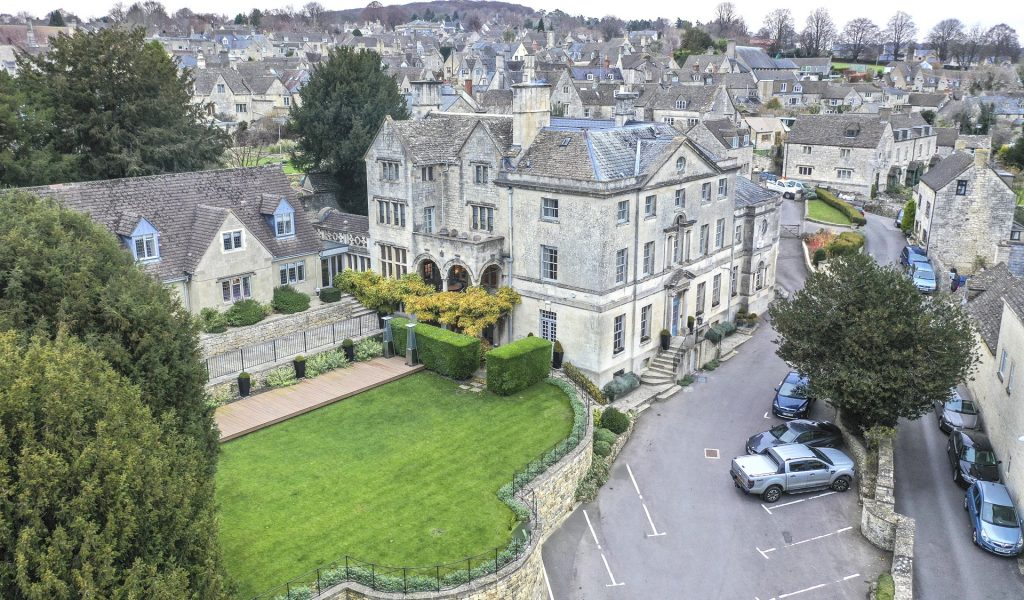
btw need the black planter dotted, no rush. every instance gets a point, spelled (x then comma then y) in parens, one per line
(665, 340)
(244, 384)
(556, 360)
(380, 319)
(300, 368)
(350, 353)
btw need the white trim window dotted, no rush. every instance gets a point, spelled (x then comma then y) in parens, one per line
(650, 206)
(549, 209)
(723, 187)
(549, 263)
(804, 170)
(705, 192)
(483, 218)
(716, 290)
(391, 212)
(621, 265)
(1004, 361)
(645, 323)
(844, 174)
(648, 259)
(428, 219)
(548, 325)
(705, 235)
(622, 211)
(232, 240)
(681, 198)
(619, 334)
(392, 261)
(292, 272)
(146, 247)
(284, 224)
(719, 233)
(235, 289)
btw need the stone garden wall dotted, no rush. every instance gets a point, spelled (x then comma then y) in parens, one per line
(886, 528)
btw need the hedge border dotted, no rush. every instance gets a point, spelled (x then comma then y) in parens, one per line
(518, 365)
(847, 209)
(447, 353)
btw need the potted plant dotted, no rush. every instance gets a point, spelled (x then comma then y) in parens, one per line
(556, 356)
(244, 384)
(350, 350)
(299, 362)
(689, 323)
(666, 338)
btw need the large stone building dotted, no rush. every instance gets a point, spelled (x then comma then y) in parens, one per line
(848, 152)
(610, 230)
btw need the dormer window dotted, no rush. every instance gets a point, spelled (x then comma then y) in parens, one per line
(284, 220)
(783, 86)
(680, 104)
(798, 88)
(852, 130)
(590, 76)
(145, 242)
(735, 141)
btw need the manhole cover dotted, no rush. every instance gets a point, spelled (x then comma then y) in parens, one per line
(710, 453)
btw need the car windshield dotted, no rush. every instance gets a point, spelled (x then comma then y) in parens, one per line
(784, 434)
(924, 274)
(822, 456)
(793, 390)
(979, 457)
(959, 405)
(999, 515)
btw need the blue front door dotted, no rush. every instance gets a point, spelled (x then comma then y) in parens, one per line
(675, 315)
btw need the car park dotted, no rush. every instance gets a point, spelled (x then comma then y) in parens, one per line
(994, 521)
(923, 277)
(971, 457)
(791, 400)
(792, 468)
(957, 412)
(816, 434)
(906, 256)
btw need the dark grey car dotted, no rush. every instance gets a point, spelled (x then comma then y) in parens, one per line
(816, 434)
(957, 412)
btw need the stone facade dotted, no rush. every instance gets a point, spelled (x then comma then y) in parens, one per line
(820, 165)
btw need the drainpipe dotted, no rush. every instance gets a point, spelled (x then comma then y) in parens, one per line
(511, 259)
(636, 260)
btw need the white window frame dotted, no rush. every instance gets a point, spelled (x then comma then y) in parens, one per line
(549, 263)
(705, 192)
(548, 325)
(482, 217)
(622, 211)
(289, 273)
(392, 261)
(621, 265)
(719, 234)
(844, 174)
(228, 286)
(148, 244)
(804, 170)
(237, 240)
(428, 219)
(650, 206)
(549, 209)
(619, 334)
(646, 314)
(1004, 359)
(716, 290)
(681, 198)
(284, 224)
(648, 263)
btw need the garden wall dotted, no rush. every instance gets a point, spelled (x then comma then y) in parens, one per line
(886, 528)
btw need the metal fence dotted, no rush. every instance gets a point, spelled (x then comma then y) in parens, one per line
(300, 342)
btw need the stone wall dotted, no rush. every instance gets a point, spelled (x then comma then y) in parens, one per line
(886, 528)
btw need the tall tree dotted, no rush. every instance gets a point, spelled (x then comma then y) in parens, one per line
(967, 49)
(899, 32)
(778, 26)
(255, 17)
(313, 11)
(819, 33)
(56, 19)
(727, 22)
(610, 27)
(343, 106)
(1003, 43)
(872, 344)
(97, 499)
(116, 106)
(942, 37)
(859, 35)
(540, 24)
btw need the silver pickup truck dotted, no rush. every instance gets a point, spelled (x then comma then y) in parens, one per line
(792, 468)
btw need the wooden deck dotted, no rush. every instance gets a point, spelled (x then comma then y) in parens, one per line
(263, 410)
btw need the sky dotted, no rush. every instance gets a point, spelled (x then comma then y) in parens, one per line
(925, 12)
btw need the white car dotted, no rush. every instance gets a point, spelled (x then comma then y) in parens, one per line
(790, 188)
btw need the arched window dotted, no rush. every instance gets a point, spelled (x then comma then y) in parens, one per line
(764, 226)
(680, 165)
(760, 275)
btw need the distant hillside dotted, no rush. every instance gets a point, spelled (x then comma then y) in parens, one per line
(438, 7)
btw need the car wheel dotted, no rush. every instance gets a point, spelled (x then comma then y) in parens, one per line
(841, 484)
(956, 479)
(974, 537)
(788, 196)
(772, 494)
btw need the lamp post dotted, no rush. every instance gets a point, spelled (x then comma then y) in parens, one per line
(389, 338)
(411, 358)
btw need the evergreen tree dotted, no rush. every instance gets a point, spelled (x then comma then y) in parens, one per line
(540, 25)
(343, 106)
(56, 19)
(97, 500)
(107, 105)
(909, 214)
(255, 17)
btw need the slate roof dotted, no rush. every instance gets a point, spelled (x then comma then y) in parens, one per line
(187, 209)
(439, 136)
(986, 292)
(946, 136)
(830, 130)
(699, 98)
(918, 99)
(947, 170)
(754, 57)
(749, 193)
(206, 78)
(335, 220)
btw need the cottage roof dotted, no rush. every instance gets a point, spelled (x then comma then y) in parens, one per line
(440, 136)
(946, 136)
(947, 170)
(698, 98)
(986, 292)
(830, 130)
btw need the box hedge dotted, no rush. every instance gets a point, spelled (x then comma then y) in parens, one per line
(847, 209)
(518, 365)
(716, 333)
(848, 243)
(288, 300)
(445, 352)
(330, 294)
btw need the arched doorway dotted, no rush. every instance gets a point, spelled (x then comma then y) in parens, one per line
(491, 278)
(458, 278)
(431, 274)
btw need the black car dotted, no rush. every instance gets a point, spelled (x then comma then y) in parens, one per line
(957, 412)
(971, 457)
(819, 434)
(908, 254)
(791, 400)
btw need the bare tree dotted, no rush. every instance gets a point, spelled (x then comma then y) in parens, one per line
(899, 32)
(725, 13)
(968, 48)
(313, 11)
(395, 16)
(728, 22)
(611, 27)
(945, 33)
(859, 35)
(778, 25)
(819, 33)
(474, 23)
(1003, 43)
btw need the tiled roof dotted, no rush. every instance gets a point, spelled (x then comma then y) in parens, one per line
(947, 170)
(946, 136)
(187, 209)
(830, 130)
(335, 220)
(986, 292)
(439, 136)
(699, 98)
(749, 193)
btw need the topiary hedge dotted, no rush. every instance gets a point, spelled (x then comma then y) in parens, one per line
(518, 365)
(621, 385)
(847, 209)
(848, 243)
(288, 300)
(717, 333)
(330, 294)
(614, 420)
(602, 449)
(445, 352)
(605, 435)
(244, 313)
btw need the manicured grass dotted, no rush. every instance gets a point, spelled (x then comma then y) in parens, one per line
(404, 474)
(819, 211)
(841, 66)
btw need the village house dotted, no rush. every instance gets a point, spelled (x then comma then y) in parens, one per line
(849, 152)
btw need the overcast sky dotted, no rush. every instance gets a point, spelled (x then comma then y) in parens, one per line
(925, 12)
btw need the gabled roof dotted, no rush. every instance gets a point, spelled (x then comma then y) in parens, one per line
(830, 130)
(986, 292)
(187, 209)
(947, 170)
(698, 98)
(749, 193)
(439, 136)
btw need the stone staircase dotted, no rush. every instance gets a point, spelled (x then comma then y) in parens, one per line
(661, 369)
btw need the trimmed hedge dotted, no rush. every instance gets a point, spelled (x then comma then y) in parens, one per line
(604, 435)
(717, 333)
(445, 352)
(244, 313)
(847, 244)
(517, 365)
(614, 420)
(620, 386)
(847, 209)
(585, 383)
(330, 294)
(288, 300)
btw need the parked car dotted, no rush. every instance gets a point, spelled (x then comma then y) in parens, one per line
(792, 468)
(791, 400)
(899, 219)
(910, 251)
(957, 412)
(996, 526)
(971, 457)
(923, 277)
(817, 434)
(790, 189)
(765, 176)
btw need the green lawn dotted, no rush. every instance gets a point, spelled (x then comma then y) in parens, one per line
(841, 66)
(405, 474)
(819, 211)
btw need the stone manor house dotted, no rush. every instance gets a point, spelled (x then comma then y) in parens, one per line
(611, 230)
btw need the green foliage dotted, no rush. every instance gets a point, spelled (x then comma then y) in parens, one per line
(1014, 154)
(379, 293)
(717, 333)
(585, 383)
(451, 354)
(330, 294)
(245, 312)
(96, 489)
(212, 320)
(773, 104)
(101, 104)
(281, 377)
(342, 108)
(605, 435)
(558, 347)
(845, 244)
(929, 116)
(620, 385)
(873, 345)
(614, 420)
(842, 206)
(470, 311)
(518, 365)
(244, 375)
(56, 19)
(886, 589)
(711, 365)
(368, 348)
(909, 213)
(602, 449)
(686, 380)
(874, 191)
(819, 256)
(596, 477)
(347, 343)
(693, 41)
(878, 434)
(325, 361)
(288, 300)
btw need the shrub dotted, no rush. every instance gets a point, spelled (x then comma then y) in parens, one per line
(716, 333)
(886, 587)
(602, 449)
(909, 214)
(620, 386)
(518, 365)
(558, 346)
(597, 476)
(324, 362)
(347, 343)
(848, 210)
(288, 300)
(330, 294)
(819, 255)
(244, 313)
(445, 352)
(615, 420)
(212, 321)
(711, 365)
(664, 332)
(605, 435)
(585, 383)
(685, 381)
(368, 348)
(848, 243)
(244, 375)
(281, 377)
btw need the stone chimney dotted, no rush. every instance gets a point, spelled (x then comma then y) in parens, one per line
(426, 97)
(981, 157)
(200, 60)
(624, 107)
(529, 68)
(960, 145)
(730, 48)
(884, 114)
(531, 111)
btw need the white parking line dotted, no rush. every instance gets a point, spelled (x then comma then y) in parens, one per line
(592, 532)
(778, 506)
(813, 587)
(635, 486)
(610, 576)
(818, 537)
(851, 576)
(764, 553)
(653, 528)
(766, 414)
(547, 582)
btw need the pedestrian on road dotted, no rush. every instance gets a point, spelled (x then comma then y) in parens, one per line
(954, 280)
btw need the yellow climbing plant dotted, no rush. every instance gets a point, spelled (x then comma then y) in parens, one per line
(381, 293)
(470, 311)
